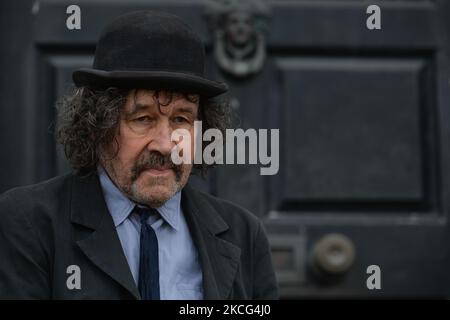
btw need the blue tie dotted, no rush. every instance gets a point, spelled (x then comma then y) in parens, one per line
(149, 262)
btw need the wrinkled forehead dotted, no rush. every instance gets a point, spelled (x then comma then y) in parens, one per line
(162, 100)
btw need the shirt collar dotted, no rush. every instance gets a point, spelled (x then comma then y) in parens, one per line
(121, 206)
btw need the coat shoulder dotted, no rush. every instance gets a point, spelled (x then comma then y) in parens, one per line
(36, 199)
(37, 189)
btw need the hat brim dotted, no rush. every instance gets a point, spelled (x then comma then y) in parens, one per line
(149, 79)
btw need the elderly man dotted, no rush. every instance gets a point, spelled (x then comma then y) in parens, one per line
(125, 224)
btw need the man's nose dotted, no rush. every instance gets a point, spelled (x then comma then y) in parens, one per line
(161, 139)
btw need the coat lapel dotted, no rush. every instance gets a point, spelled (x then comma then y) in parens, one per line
(219, 258)
(102, 246)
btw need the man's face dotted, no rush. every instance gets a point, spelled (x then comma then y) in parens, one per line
(142, 168)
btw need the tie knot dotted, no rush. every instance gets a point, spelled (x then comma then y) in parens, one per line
(145, 213)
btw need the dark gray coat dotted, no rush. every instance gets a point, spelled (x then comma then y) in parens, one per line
(47, 227)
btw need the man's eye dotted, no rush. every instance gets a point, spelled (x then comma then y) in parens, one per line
(181, 120)
(142, 119)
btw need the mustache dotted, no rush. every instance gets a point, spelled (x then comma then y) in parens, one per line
(155, 160)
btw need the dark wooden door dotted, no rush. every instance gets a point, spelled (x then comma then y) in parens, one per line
(364, 132)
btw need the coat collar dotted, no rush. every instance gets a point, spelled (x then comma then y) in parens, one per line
(219, 258)
(88, 208)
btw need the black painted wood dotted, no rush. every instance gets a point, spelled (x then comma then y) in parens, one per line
(363, 118)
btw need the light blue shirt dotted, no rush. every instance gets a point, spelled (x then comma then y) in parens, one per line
(180, 274)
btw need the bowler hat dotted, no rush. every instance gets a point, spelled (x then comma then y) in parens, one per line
(148, 49)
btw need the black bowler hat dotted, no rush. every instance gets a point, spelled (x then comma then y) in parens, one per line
(148, 49)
